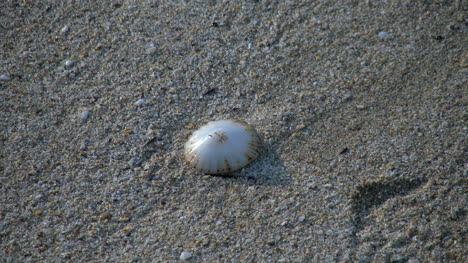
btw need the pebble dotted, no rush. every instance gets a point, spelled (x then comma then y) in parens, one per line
(301, 218)
(126, 230)
(64, 29)
(69, 63)
(105, 216)
(348, 97)
(185, 255)
(124, 219)
(139, 102)
(133, 162)
(300, 127)
(152, 49)
(383, 34)
(4, 77)
(84, 115)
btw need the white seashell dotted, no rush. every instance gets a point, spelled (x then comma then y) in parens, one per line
(221, 147)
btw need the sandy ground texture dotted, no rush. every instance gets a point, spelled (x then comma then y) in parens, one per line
(361, 105)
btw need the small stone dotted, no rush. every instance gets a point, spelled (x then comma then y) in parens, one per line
(4, 78)
(133, 162)
(360, 107)
(69, 63)
(273, 240)
(151, 50)
(139, 102)
(124, 219)
(348, 97)
(105, 216)
(85, 115)
(185, 255)
(383, 34)
(127, 229)
(301, 218)
(64, 29)
(300, 127)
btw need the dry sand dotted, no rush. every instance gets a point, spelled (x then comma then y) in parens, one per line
(361, 105)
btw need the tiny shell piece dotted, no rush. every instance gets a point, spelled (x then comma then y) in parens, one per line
(221, 147)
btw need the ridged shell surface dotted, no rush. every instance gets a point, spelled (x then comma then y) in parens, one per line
(221, 147)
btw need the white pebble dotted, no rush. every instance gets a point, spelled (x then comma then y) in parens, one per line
(4, 77)
(69, 63)
(139, 102)
(84, 115)
(185, 255)
(301, 218)
(64, 29)
(383, 34)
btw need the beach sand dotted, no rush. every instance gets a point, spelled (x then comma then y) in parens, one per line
(361, 106)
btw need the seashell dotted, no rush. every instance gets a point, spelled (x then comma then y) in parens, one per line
(221, 147)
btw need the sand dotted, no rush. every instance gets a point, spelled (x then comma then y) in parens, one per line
(361, 106)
